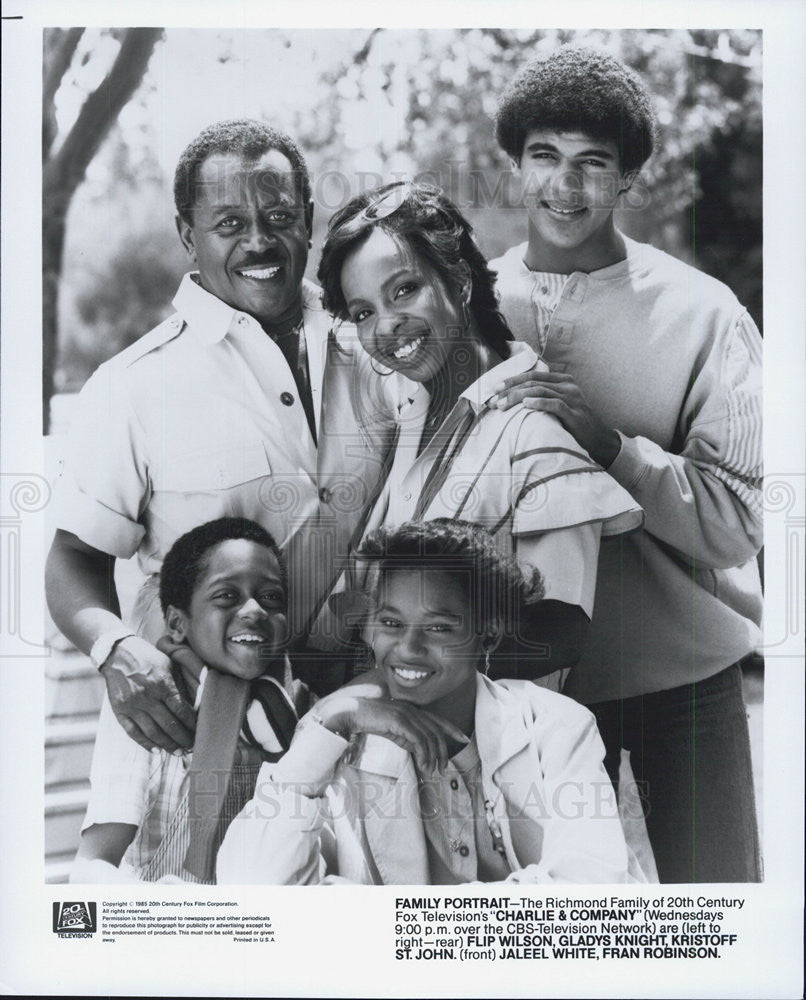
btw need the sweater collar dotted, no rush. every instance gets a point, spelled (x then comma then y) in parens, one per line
(513, 261)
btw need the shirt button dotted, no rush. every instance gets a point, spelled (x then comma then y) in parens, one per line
(407, 496)
(544, 290)
(325, 495)
(464, 850)
(454, 784)
(286, 399)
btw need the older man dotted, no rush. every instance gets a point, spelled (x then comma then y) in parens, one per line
(215, 412)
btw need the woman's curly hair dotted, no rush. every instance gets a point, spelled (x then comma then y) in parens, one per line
(579, 89)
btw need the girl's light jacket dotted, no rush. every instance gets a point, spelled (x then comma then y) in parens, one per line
(333, 811)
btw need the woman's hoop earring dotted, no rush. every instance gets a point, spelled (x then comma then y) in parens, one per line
(385, 374)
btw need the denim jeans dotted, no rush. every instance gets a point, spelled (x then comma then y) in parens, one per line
(690, 754)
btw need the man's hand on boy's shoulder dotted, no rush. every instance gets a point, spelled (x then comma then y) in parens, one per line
(145, 698)
(558, 393)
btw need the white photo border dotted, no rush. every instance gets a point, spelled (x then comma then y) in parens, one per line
(338, 941)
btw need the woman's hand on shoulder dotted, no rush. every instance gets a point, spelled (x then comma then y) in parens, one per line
(558, 393)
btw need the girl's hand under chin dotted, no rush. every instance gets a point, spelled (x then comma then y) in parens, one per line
(365, 707)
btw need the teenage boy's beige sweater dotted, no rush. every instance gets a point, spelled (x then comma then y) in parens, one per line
(669, 358)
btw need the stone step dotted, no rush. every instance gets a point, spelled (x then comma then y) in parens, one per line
(57, 868)
(72, 686)
(64, 813)
(68, 750)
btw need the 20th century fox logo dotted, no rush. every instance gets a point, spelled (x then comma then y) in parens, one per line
(74, 919)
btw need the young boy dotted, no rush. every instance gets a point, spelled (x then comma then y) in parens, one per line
(223, 593)
(655, 369)
(428, 772)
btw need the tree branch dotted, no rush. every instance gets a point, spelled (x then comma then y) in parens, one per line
(357, 60)
(363, 54)
(66, 169)
(505, 38)
(60, 47)
(499, 36)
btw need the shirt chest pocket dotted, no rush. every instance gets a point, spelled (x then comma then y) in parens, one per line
(222, 467)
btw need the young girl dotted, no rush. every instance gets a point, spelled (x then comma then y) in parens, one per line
(223, 594)
(401, 264)
(430, 773)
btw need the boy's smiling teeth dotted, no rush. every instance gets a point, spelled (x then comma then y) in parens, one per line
(408, 348)
(410, 675)
(564, 211)
(247, 637)
(260, 273)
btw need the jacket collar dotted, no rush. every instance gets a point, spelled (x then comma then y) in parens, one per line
(399, 852)
(500, 729)
(521, 359)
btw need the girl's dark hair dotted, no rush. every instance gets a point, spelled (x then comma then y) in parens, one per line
(584, 90)
(497, 587)
(188, 556)
(434, 229)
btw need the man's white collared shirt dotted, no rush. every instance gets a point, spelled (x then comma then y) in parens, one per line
(198, 419)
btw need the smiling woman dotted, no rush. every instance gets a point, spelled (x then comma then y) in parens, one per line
(401, 263)
(412, 334)
(444, 598)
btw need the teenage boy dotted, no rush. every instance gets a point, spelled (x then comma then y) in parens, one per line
(655, 369)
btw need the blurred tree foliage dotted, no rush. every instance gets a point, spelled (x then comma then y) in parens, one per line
(65, 157)
(422, 102)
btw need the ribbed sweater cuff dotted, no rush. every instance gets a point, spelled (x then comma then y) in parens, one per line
(628, 466)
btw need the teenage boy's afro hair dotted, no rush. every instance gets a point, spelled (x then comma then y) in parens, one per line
(584, 90)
